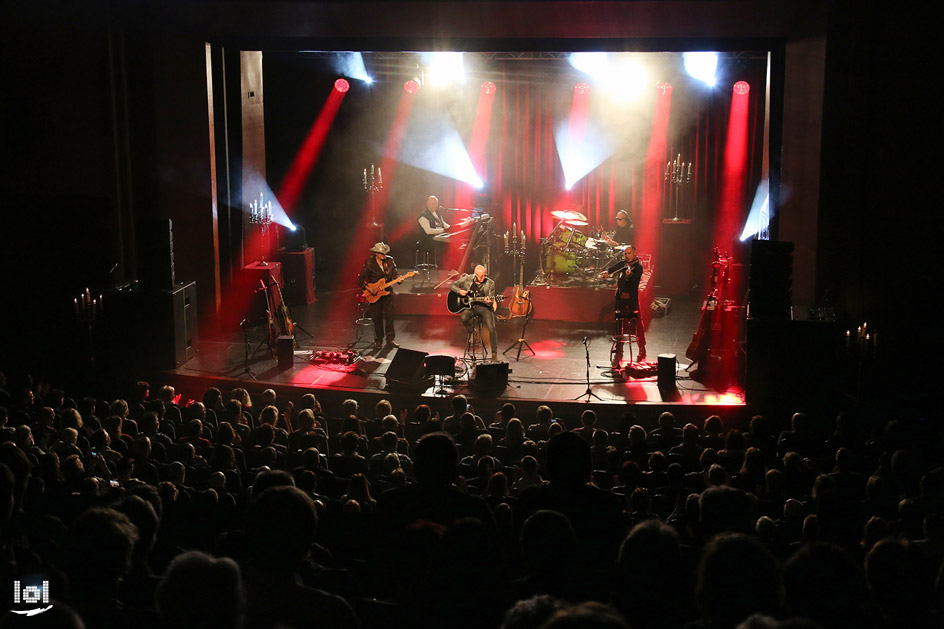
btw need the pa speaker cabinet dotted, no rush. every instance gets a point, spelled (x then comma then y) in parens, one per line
(151, 329)
(407, 367)
(490, 377)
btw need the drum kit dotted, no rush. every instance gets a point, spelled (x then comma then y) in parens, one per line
(569, 252)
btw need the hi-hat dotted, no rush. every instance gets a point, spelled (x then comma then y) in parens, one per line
(568, 215)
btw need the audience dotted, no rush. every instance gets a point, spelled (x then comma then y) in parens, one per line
(250, 509)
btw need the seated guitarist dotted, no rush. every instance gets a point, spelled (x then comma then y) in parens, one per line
(380, 266)
(482, 289)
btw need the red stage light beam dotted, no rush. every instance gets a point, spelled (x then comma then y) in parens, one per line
(650, 222)
(730, 217)
(365, 235)
(731, 207)
(307, 156)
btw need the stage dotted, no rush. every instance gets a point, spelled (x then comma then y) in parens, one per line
(555, 374)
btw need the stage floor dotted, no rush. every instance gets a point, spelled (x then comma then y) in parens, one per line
(557, 371)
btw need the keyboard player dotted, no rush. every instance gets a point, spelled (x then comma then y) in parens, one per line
(432, 223)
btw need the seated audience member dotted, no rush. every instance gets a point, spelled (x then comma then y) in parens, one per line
(274, 594)
(596, 514)
(433, 497)
(737, 577)
(220, 603)
(95, 555)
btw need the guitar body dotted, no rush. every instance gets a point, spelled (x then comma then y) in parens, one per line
(373, 292)
(456, 303)
(378, 289)
(521, 305)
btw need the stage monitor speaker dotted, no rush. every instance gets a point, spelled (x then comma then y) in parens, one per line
(285, 347)
(667, 366)
(490, 377)
(407, 366)
(440, 365)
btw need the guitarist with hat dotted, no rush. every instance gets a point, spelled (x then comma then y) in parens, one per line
(481, 290)
(380, 267)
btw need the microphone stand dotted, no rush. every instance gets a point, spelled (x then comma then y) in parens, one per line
(588, 392)
(246, 370)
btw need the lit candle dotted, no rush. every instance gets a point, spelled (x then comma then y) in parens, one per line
(523, 241)
(506, 241)
(365, 178)
(380, 179)
(76, 308)
(848, 340)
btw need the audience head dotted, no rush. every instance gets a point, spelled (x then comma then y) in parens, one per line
(436, 460)
(199, 591)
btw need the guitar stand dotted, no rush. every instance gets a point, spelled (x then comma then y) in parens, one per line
(588, 392)
(521, 343)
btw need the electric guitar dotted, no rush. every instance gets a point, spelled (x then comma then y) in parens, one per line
(457, 303)
(373, 292)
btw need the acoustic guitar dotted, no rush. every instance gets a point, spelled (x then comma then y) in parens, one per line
(457, 303)
(373, 292)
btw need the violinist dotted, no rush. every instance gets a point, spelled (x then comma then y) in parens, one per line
(628, 272)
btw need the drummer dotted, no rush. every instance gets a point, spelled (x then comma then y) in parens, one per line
(624, 230)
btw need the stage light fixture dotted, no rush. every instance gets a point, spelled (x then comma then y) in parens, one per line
(444, 68)
(412, 86)
(664, 88)
(342, 85)
(701, 66)
(582, 88)
(488, 88)
(741, 88)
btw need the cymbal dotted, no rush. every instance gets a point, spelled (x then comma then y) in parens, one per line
(577, 223)
(568, 215)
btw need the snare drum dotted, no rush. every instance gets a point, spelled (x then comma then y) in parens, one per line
(569, 238)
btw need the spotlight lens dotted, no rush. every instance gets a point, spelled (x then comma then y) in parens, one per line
(664, 88)
(411, 87)
(488, 87)
(741, 88)
(582, 88)
(342, 85)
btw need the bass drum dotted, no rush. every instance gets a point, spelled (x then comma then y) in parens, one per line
(557, 261)
(570, 238)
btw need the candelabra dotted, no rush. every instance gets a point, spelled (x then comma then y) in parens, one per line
(260, 213)
(516, 246)
(88, 312)
(374, 184)
(678, 174)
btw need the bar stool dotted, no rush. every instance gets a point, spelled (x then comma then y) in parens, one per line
(421, 259)
(475, 342)
(623, 337)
